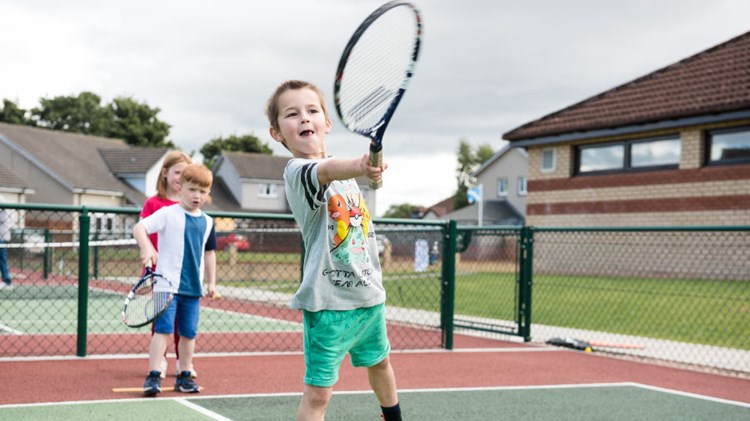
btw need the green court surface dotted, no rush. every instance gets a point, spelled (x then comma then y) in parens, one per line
(561, 403)
(54, 310)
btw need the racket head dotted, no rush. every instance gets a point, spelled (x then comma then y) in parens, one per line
(375, 69)
(148, 299)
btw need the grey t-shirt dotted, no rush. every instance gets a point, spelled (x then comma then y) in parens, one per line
(341, 267)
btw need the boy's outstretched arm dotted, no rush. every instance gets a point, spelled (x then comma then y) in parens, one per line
(344, 169)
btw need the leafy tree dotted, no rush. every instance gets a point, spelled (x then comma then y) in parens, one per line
(137, 123)
(123, 118)
(79, 114)
(469, 160)
(12, 113)
(404, 210)
(234, 143)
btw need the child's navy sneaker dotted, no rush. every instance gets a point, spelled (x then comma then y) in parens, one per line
(185, 383)
(153, 384)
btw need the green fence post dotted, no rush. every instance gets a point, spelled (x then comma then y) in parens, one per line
(83, 280)
(447, 305)
(525, 264)
(96, 256)
(47, 257)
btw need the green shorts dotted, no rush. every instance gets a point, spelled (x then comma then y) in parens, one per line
(330, 335)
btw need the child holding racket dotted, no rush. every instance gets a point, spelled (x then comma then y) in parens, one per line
(341, 296)
(167, 194)
(188, 244)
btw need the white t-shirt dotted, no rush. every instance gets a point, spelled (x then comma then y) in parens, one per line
(341, 267)
(182, 240)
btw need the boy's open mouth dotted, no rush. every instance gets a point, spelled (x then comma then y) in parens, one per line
(306, 133)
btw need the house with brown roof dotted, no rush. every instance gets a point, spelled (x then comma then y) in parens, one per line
(669, 148)
(64, 168)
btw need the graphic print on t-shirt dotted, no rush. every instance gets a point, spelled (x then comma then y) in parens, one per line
(349, 220)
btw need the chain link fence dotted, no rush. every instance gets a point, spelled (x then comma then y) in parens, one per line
(678, 295)
(72, 267)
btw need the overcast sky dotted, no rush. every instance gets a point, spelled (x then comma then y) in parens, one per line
(486, 67)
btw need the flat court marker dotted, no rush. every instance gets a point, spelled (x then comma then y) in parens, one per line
(140, 389)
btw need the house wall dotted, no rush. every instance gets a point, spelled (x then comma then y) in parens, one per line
(251, 198)
(511, 166)
(693, 194)
(97, 200)
(152, 178)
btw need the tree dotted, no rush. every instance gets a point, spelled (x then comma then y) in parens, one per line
(79, 114)
(137, 124)
(12, 113)
(234, 143)
(469, 160)
(404, 210)
(123, 118)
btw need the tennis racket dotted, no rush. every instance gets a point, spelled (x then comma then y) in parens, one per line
(374, 71)
(145, 302)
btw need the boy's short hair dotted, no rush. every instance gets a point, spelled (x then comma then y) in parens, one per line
(173, 158)
(272, 106)
(198, 174)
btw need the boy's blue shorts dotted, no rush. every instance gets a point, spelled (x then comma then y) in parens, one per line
(330, 335)
(187, 310)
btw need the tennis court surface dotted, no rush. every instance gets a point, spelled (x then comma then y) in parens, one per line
(481, 379)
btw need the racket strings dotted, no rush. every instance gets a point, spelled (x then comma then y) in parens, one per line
(377, 68)
(146, 302)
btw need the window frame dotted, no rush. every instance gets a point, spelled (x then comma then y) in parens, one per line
(708, 147)
(505, 192)
(627, 165)
(525, 190)
(270, 191)
(551, 169)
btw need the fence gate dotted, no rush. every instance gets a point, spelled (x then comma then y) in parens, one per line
(490, 294)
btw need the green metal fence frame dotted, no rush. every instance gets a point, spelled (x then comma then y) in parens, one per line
(455, 240)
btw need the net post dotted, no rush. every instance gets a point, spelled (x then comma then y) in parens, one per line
(447, 305)
(84, 221)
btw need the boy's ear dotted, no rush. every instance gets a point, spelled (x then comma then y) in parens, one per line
(275, 134)
(329, 125)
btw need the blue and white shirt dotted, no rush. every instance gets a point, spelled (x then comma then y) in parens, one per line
(183, 238)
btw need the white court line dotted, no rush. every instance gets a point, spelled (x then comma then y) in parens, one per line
(8, 329)
(205, 411)
(268, 354)
(691, 395)
(358, 392)
(288, 394)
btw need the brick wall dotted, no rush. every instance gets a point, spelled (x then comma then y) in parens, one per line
(691, 195)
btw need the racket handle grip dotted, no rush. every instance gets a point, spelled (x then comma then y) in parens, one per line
(376, 159)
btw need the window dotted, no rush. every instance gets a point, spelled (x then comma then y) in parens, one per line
(502, 186)
(267, 190)
(602, 158)
(729, 146)
(522, 186)
(549, 159)
(102, 222)
(627, 156)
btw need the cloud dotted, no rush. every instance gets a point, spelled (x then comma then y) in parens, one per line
(486, 67)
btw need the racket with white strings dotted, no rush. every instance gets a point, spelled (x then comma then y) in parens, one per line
(374, 72)
(148, 299)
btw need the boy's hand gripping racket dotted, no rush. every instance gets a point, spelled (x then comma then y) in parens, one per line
(374, 71)
(148, 299)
